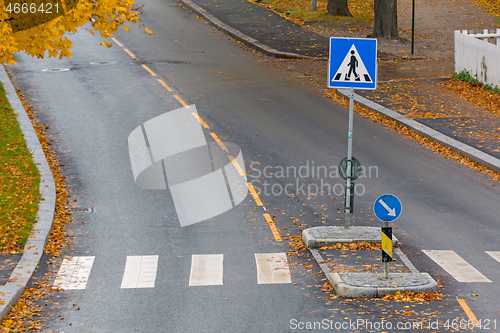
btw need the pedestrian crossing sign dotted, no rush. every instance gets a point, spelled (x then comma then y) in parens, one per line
(352, 63)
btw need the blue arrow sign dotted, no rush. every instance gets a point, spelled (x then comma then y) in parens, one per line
(353, 63)
(387, 207)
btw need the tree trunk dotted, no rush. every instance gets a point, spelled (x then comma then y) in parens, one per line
(338, 8)
(386, 19)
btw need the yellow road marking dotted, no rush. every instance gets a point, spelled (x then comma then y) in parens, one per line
(468, 311)
(200, 120)
(164, 84)
(221, 144)
(254, 194)
(237, 166)
(181, 101)
(272, 225)
(150, 71)
(117, 42)
(129, 53)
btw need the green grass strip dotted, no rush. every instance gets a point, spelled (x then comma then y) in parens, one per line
(19, 182)
(465, 76)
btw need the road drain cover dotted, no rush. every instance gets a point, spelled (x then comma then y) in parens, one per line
(103, 63)
(55, 69)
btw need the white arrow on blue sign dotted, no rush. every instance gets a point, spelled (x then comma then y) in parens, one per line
(387, 207)
(352, 63)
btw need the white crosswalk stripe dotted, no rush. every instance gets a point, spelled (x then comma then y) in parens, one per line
(206, 270)
(494, 254)
(272, 268)
(140, 272)
(74, 273)
(456, 266)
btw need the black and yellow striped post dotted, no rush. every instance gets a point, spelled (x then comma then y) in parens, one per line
(386, 249)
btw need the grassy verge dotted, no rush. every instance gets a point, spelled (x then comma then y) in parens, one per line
(19, 183)
(299, 11)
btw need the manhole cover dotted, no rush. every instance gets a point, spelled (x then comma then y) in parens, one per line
(55, 69)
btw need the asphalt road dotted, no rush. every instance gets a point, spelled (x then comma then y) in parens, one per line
(281, 126)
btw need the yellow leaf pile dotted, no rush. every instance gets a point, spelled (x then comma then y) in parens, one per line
(474, 93)
(354, 246)
(412, 297)
(295, 243)
(493, 6)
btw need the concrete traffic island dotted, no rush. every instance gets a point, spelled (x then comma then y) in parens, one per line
(326, 236)
(372, 285)
(366, 284)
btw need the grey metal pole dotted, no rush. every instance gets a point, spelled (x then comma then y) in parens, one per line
(313, 5)
(349, 161)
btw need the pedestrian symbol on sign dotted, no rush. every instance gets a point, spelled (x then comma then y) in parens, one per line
(352, 67)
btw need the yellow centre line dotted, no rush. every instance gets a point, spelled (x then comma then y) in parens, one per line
(164, 84)
(117, 42)
(272, 225)
(129, 53)
(468, 311)
(237, 166)
(181, 101)
(221, 144)
(200, 120)
(254, 194)
(150, 71)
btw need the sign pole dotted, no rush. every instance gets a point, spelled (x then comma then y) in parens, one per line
(352, 65)
(348, 207)
(386, 248)
(413, 27)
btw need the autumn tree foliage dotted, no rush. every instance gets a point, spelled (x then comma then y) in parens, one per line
(338, 8)
(34, 28)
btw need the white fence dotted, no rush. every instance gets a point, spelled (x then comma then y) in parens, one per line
(479, 54)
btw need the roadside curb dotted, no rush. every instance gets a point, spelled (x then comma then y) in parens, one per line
(373, 285)
(239, 36)
(326, 236)
(474, 154)
(33, 250)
